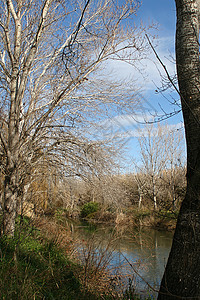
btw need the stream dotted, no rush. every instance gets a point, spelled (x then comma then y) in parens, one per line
(137, 257)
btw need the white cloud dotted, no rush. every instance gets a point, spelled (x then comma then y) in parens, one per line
(148, 71)
(144, 132)
(129, 126)
(134, 133)
(129, 120)
(125, 122)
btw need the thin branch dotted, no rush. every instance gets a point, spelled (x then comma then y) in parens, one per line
(171, 81)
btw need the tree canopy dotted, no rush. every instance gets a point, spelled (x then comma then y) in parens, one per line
(54, 88)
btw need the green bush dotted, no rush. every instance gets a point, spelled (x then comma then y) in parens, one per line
(167, 214)
(89, 208)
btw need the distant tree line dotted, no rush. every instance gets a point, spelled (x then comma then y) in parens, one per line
(158, 180)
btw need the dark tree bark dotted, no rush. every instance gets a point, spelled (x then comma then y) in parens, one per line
(181, 279)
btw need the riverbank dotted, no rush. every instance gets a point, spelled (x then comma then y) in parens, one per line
(133, 216)
(41, 263)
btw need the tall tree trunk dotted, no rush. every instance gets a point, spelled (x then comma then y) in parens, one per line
(10, 204)
(182, 274)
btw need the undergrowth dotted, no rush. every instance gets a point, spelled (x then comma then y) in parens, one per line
(33, 267)
(35, 264)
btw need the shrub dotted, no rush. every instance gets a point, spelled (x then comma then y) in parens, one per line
(89, 208)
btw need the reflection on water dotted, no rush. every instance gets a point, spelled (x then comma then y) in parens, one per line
(149, 251)
(139, 255)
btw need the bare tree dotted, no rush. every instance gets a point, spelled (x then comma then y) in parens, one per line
(53, 85)
(153, 161)
(174, 176)
(161, 154)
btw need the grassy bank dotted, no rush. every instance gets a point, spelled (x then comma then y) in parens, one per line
(34, 267)
(144, 217)
(38, 264)
(161, 219)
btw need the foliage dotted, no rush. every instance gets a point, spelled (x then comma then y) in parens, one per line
(89, 208)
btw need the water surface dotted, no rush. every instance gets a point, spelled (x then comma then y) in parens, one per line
(135, 256)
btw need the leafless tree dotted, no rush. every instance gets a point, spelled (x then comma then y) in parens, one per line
(153, 158)
(54, 83)
(161, 154)
(174, 177)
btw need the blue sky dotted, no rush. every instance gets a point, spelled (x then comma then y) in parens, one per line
(163, 14)
(160, 11)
